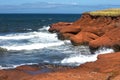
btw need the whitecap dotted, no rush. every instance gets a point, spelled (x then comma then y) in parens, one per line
(18, 36)
(103, 50)
(45, 28)
(30, 40)
(11, 66)
(78, 59)
(32, 46)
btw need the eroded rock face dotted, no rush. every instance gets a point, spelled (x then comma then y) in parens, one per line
(83, 38)
(109, 39)
(95, 31)
(56, 27)
(65, 36)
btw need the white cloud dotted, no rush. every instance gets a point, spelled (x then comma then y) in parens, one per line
(37, 5)
(51, 7)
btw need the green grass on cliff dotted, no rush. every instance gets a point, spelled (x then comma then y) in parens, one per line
(107, 12)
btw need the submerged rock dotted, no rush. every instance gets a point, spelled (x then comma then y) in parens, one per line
(2, 50)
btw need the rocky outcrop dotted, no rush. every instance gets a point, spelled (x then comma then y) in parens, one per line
(83, 38)
(95, 31)
(107, 67)
(109, 39)
(56, 27)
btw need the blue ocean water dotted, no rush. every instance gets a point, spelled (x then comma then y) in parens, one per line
(24, 22)
(27, 40)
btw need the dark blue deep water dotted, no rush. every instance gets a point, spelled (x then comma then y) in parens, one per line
(23, 22)
(27, 41)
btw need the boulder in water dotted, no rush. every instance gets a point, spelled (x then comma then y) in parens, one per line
(2, 50)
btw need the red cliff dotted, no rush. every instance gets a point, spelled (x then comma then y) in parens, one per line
(95, 31)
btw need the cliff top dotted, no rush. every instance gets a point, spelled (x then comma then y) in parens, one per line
(107, 12)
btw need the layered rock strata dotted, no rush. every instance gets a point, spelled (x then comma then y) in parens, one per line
(95, 31)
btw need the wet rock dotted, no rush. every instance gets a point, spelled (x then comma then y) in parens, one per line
(105, 68)
(2, 50)
(27, 72)
(28, 68)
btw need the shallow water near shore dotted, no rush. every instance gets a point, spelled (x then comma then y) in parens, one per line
(27, 41)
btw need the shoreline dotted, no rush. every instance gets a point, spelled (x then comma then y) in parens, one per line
(89, 30)
(106, 67)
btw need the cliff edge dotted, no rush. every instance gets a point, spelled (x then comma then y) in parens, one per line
(96, 29)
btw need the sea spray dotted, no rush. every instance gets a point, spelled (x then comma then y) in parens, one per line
(78, 59)
(30, 40)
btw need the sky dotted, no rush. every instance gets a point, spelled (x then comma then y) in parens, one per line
(55, 6)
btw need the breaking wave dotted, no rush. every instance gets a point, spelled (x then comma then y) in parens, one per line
(30, 40)
(14, 66)
(78, 59)
(53, 51)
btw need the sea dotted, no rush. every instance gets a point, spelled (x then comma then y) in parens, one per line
(25, 40)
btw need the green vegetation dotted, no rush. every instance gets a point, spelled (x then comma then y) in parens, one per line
(108, 12)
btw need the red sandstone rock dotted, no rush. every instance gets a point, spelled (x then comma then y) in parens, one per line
(56, 27)
(13, 75)
(77, 25)
(89, 28)
(83, 38)
(86, 29)
(27, 68)
(110, 39)
(70, 29)
(65, 36)
(107, 67)
(17, 74)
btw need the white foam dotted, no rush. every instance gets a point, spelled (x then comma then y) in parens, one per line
(4, 67)
(35, 40)
(32, 46)
(14, 66)
(76, 60)
(18, 36)
(45, 28)
(104, 50)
